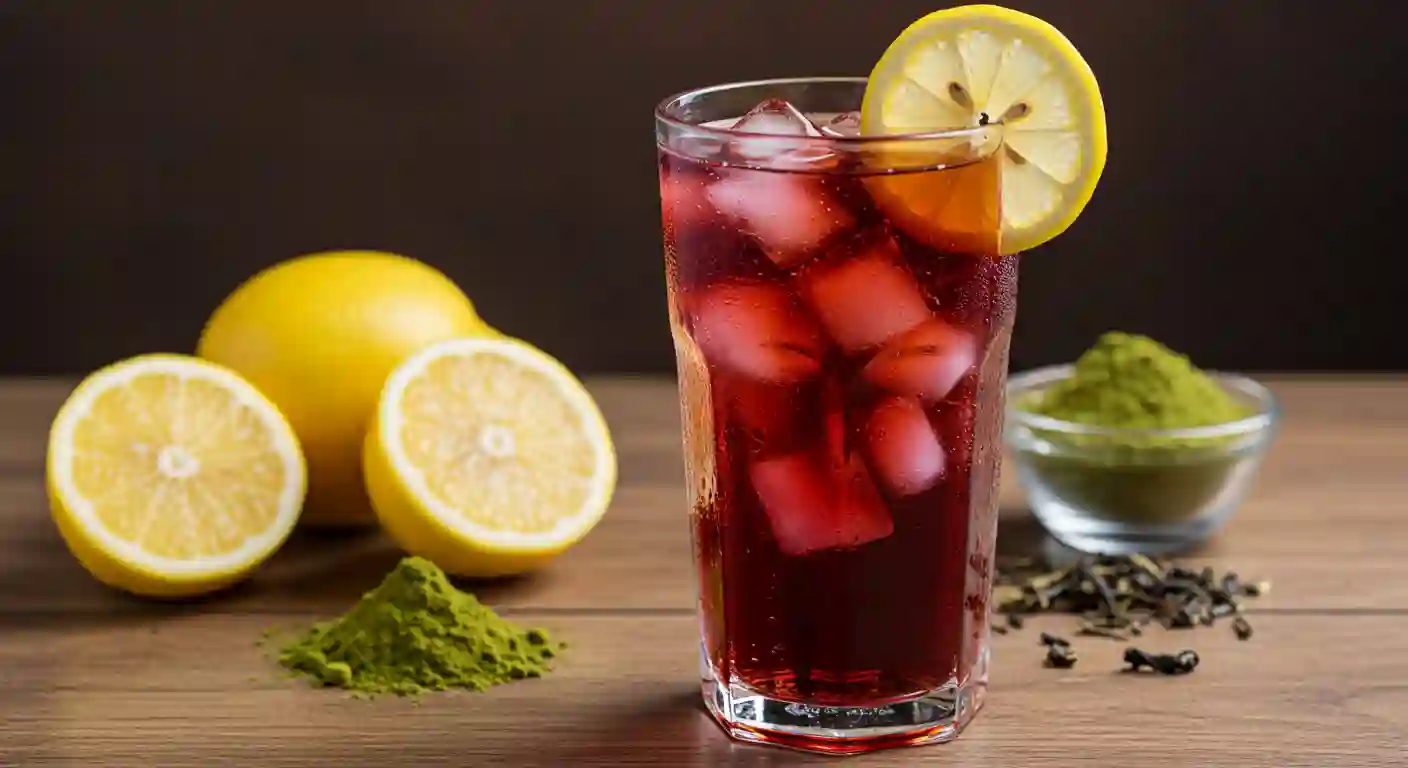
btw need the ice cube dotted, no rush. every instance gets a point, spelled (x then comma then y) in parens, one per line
(784, 124)
(927, 362)
(757, 330)
(903, 447)
(813, 506)
(776, 117)
(791, 215)
(844, 125)
(865, 300)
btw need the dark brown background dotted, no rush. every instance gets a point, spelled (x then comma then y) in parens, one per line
(153, 154)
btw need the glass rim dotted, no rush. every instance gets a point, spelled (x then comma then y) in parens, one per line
(1268, 409)
(662, 116)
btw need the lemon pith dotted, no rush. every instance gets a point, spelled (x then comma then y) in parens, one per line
(488, 457)
(171, 476)
(953, 67)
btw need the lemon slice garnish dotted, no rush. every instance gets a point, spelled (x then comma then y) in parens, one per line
(964, 66)
(488, 457)
(171, 476)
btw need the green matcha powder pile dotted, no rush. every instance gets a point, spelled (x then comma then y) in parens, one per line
(417, 634)
(1127, 381)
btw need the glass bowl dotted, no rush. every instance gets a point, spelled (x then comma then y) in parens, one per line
(1120, 491)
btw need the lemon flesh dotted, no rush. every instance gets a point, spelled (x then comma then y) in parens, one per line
(319, 334)
(962, 67)
(170, 476)
(488, 457)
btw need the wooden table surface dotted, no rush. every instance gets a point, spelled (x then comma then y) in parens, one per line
(91, 677)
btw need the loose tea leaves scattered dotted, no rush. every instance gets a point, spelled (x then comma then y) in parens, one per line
(1117, 597)
(1180, 663)
(1060, 656)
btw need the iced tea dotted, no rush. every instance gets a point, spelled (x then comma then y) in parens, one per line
(841, 316)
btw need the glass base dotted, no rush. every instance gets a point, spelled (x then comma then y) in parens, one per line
(933, 718)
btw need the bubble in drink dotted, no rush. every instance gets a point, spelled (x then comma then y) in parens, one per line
(926, 362)
(865, 300)
(903, 447)
(956, 421)
(792, 216)
(813, 506)
(757, 330)
(684, 202)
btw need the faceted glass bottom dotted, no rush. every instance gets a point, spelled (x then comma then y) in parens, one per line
(932, 718)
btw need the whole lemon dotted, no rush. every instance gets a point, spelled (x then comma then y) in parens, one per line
(318, 335)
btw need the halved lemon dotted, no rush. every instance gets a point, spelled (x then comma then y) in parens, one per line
(977, 64)
(170, 476)
(487, 457)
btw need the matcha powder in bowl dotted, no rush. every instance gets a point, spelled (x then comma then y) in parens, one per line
(1133, 382)
(416, 634)
(1135, 449)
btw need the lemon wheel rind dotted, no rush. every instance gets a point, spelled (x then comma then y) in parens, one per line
(1088, 103)
(474, 536)
(85, 522)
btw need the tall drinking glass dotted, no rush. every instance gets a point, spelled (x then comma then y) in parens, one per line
(841, 316)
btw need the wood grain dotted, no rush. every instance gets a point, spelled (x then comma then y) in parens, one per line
(88, 676)
(1325, 523)
(194, 689)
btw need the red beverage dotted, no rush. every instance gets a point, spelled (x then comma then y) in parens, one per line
(841, 316)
